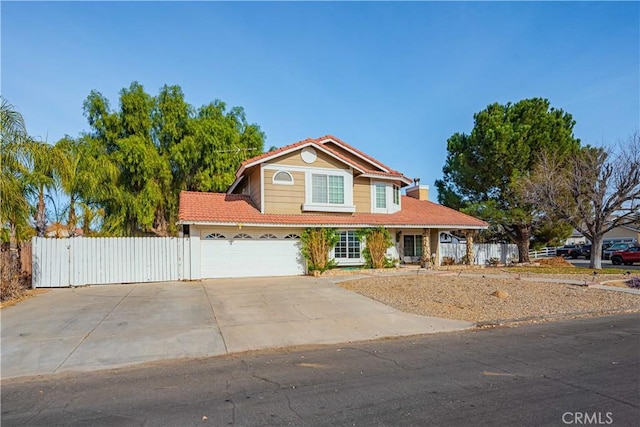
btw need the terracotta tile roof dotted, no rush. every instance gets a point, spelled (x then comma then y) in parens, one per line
(221, 208)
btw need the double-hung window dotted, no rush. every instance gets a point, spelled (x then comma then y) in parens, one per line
(328, 189)
(385, 197)
(348, 247)
(381, 196)
(396, 195)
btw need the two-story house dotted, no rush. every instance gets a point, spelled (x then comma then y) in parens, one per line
(254, 228)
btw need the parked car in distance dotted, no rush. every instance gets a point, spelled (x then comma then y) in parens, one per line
(586, 251)
(572, 251)
(606, 254)
(627, 256)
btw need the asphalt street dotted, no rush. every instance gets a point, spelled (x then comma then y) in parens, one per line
(546, 374)
(584, 263)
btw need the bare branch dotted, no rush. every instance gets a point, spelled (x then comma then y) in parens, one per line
(595, 192)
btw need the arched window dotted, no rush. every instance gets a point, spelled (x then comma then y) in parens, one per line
(283, 178)
(292, 236)
(214, 236)
(242, 236)
(268, 236)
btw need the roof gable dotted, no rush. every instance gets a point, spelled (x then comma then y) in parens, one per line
(292, 148)
(331, 146)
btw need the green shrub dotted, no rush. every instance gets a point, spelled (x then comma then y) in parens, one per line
(378, 240)
(316, 244)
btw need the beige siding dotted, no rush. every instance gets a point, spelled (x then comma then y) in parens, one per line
(362, 194)
(255, 187)
(323, 161)
(283, 199)
(621, 232)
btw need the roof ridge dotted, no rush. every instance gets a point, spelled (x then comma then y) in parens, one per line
(276, 151)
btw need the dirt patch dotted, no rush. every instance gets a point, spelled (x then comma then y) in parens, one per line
(554, 262)
(490, 300)
(26, 294)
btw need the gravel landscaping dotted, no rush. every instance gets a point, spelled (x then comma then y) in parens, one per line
(491, 300)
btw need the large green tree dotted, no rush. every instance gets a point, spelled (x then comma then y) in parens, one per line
(484, 169)
(158, 146)
(86, 176)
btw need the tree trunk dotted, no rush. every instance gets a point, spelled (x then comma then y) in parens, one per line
(522, 234)
(71, 222)
(160, 226)
(425, 259)
(40, 218)
(15, 267)
(86, 222)
(469, 253)
(595, 261)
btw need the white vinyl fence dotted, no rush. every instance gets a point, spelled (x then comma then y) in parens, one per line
(482, 252)
(92, 261)
(543, 253)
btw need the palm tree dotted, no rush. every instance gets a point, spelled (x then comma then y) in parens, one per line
(44, 162)
(86, 177)
(14, 188)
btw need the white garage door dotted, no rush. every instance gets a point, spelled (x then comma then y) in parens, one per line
(251, 258)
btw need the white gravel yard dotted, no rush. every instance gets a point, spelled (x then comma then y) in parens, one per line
(474, 299)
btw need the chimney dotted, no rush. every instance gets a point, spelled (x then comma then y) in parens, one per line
(420, 192)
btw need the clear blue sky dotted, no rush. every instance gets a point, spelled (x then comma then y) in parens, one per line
(393, 79)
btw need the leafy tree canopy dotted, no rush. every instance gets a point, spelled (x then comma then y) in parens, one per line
(483, 170)
(151, 148)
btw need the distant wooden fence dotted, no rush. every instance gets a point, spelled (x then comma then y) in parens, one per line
(25, 257)
(94, 261)
(482, 252)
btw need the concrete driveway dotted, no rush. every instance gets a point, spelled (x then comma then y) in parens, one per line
(107, 326)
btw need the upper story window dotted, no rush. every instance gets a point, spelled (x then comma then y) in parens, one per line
(381, 196)
(385, 197)
(283, 178)
(327, 189)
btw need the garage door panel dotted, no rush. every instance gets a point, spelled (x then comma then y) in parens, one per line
(251, 258)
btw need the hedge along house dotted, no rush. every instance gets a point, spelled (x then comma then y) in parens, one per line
(254, 228)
